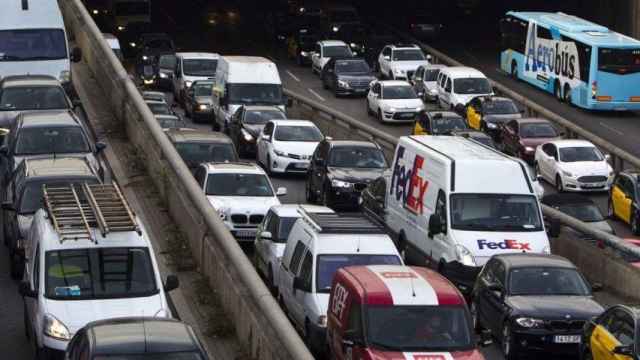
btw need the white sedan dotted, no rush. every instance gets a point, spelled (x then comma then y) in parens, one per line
(393, 101)
(286, 146)
(573, 165)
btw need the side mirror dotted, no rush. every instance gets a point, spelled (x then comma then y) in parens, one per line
(171, 283)
(282, 191)
(554, 228)
(387, 57)
(25, 290)
(496, 288)
(266, 235)
(8, 206)
(100, 146)
(485, 338)
(435, 225)
(298, 284)
(76, 54)
(624, 350)
(596, 287)
(607, 157)
(76, 102)
(266, 137)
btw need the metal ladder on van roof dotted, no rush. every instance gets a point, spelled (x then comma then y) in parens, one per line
(111, 210)
(70, 217)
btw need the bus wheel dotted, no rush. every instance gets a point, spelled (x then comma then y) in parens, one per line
(557, 91)
(567, 93)
(514, 69)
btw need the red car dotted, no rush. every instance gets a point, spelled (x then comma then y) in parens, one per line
(520, 137)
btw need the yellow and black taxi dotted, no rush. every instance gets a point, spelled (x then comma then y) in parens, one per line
(486, 112)
(612, 335)
(438, 123)
(623, 199)
(300, 45)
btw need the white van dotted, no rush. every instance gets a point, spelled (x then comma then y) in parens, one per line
(457, 85)
(453, 203)
(189, 68)
(33, 40)
(244, 80)
(89, 259)
(318, 245)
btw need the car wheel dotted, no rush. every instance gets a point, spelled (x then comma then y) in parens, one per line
(507, 342)
(514, 69)
(557, 91)
(610, 213)
(635, 228)
(380, 118)
(559, 186)
(473, 309)
(567, 93)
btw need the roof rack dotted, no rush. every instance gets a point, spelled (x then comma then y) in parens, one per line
(336, 223)
(75, 209)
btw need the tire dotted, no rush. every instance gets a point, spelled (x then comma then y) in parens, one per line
(557, 91)
(475, 319)
(311, 197)
(507, 343)
(635, 227)
(558, 184)
(380, 118)
(567, 94)
(514, 69)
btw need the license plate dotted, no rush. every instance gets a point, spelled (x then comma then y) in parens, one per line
(592, 185)
(406, 116)
(245, 233)
(566, 339)
(301, 165)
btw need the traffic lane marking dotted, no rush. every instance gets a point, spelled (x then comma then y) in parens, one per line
(292, 76)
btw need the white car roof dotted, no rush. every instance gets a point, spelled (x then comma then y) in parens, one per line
(405, 46)
(233, 168)
(380, 244)
(462, 71)
(571, 143)
(197, 55)
(332, 43)
(291, 210)
(293, 122)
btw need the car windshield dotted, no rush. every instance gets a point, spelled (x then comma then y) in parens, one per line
(431, 74)
(260, 117)
(32, 44)
(619, 61)
(537, 130)
(537, 281)
(51, 140)
(447, 124)
(352, 66)
(158, 108)
(398, 92)
(336, 51)
(200, 67)
(238, 185)
(297, 133)
(197, 153)
(580, 153)
(30, 198)
(471, 86)
(357, 157)
(327, 265)
(284, 228)
(152, 356)
(495, 212)
(410, 328)
(257, 94)
(587, 212)
(408, 55)
(203, 89)
(170, 122)
(99, 273)
(33, 98)
(499, 107)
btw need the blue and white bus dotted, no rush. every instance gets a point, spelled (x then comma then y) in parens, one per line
(574, 59)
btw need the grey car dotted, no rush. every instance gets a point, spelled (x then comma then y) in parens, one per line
(198, 102)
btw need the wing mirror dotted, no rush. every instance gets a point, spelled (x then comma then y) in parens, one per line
(607, 157)
(25, 290)
(100, 146)
(496, 288)
(171, 283)
(282, 191)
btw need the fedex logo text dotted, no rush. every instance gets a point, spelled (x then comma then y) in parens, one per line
(506, 244)
(406, 183)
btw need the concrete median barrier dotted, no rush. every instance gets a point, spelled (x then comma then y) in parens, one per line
(259, 322)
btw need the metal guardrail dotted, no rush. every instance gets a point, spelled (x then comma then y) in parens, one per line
(620, 159)
(247, 300)
(389, 142)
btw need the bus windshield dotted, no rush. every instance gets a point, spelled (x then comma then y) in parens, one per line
(620, 61)
(32, 44)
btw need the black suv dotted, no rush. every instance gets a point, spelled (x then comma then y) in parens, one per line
(347, 76)
(341, 169)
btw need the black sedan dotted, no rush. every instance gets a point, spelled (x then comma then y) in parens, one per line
(347, 76)
(341, 169)
(533, 303)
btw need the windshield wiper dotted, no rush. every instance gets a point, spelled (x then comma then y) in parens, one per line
(476, 226)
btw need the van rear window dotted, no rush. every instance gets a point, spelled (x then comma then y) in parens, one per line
(32, 44)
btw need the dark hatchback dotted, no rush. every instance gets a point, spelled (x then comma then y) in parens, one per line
(136, 338)
(533, 303)
(347, 76)
(197, 147)
(341, 169)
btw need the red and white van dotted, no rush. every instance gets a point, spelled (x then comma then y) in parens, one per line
(398, 312)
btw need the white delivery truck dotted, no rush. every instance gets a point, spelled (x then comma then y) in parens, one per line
(453, 203)
(244, 80)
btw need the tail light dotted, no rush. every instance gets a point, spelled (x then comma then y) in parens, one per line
(594, 89)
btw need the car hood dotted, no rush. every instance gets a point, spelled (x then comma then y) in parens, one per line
(582, 168)
(254, 130)
(77, 313)
(407, 65)
(355, 175)
(402, 103)
(465, 98)
(484, 244)
(243, 204)
(535, 142)
(296, 147)
(556, 307)
(501, 118)
(204, 100)
(416, 355)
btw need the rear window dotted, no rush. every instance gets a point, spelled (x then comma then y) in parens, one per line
(619, 61)
(33, 98)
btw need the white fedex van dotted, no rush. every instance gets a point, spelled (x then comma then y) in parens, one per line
(454, 203)
(33, 41)
(244, 80)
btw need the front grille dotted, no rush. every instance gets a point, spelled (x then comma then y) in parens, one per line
(404, 115)
(255, 219)
(592, 179)
(359, 186)
(239, 218)
(359, 83)
(565, 325)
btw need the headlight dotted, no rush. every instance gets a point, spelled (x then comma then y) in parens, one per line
(304, 53)
(322, 320)
(335, 29)
(279, 153)
(132, 44)
(343, 84)
(164, 75)
(492, 126)
(527, 322)
(247, 136)
(353, 45)
(435, 92)
(419, 108)
(95, 11)
(188, 83)
(464, 256)
(203, 106)
(341, 184)
(122, 28)
(65, 76)
(390, 109)
(529, 149)
(566, 173)
(54, 328)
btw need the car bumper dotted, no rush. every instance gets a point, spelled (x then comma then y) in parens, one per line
(283, 164)
(614, 105)
(399, 116)
(462, 276)
(352, 91)
(243, 234)
(574, 185)
(528, 341)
